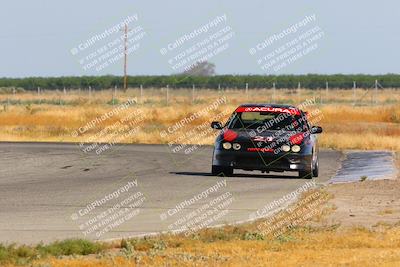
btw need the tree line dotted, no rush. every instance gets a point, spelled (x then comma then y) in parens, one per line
(312, 81)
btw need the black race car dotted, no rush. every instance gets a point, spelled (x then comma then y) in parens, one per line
(266, 137)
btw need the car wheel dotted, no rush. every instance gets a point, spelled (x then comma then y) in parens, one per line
(306, 174)
(221, 171)
(315, 170)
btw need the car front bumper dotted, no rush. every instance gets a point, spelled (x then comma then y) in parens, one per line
(267, 161)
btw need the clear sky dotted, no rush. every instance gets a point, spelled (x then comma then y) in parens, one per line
(359, 36)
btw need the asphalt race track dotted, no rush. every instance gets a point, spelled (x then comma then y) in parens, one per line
(45, 190)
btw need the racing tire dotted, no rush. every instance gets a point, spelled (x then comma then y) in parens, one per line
(306, 174)
(309, 174)
(221, 171)
(315, 170)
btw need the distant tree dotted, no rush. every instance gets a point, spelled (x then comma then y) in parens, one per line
(203, 74)
(203, 69)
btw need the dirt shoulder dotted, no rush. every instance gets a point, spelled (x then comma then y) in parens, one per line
(367, 203)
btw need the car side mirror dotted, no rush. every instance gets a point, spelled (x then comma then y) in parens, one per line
(216, 125)
(316, 130)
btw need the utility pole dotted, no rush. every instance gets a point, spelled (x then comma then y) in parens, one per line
(354, 92)
(125, 56)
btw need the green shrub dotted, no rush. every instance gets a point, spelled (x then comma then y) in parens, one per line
(24, 254)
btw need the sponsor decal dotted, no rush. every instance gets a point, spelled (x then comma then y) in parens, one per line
(292, 111)
(263, 139)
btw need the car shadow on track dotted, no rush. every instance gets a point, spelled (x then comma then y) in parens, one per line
(239, 175)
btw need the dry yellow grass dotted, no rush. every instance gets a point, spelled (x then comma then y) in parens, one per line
(355, 247)
(305, 245)
(32, 117)
(385, 212)
(245, 246)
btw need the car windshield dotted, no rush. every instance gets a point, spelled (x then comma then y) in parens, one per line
(267, 120)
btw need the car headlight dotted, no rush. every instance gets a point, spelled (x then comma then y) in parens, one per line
(227, 145)
(295, 148)
(285, 148)
(236, 146)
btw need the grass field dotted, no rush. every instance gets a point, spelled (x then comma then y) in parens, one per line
(358, 119)
(313, 243)
(303, 246)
